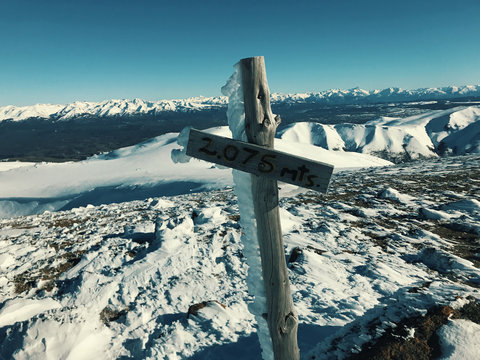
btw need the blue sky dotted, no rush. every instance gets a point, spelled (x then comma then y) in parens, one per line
(62, 51)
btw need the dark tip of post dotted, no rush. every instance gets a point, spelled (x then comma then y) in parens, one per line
(251, 58)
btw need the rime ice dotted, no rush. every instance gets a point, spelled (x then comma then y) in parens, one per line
(243, 190)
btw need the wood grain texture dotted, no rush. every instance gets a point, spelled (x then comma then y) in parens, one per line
(259, 160)
(260, 126)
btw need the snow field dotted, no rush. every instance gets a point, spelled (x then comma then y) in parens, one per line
(102, 279)
(150, 169)
(117, 280)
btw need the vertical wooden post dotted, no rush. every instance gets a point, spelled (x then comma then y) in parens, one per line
(260, 126)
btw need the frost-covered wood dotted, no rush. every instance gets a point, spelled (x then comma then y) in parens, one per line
(260, 126)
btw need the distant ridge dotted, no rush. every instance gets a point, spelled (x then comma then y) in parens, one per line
(117, 108)
(357, 95)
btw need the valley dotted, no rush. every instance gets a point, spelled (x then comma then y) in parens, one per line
(80, 130)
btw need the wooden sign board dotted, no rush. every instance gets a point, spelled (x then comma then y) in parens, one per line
(259, 160)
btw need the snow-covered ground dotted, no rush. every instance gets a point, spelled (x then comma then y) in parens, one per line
(116, 281)
(9, 165)
(132, 173)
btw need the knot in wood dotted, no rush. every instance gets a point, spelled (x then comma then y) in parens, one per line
(290, 323)
(266, 121)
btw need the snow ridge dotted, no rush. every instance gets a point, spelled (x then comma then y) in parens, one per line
(109, 108)
(156, 167)
(455, 131)
(358, 95)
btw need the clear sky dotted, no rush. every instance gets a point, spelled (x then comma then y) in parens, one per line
(59, 51)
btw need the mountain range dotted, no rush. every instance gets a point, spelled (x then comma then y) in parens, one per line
(121, 108)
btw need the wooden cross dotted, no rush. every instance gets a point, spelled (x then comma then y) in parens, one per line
(267, 166)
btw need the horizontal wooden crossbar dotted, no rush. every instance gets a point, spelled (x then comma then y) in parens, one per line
(259, 160)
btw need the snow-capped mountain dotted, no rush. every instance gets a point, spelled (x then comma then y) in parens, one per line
(453, 131)
(357, 95)
(112, 108)
(108, 108)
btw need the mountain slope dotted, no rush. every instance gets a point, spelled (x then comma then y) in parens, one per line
(453, 131)
(137, 172)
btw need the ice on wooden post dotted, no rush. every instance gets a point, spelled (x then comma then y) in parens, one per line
(179, 155)
(243, 190)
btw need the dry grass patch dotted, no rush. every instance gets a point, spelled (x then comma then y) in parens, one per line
(465, 244)
(29, 279)
(416, 337)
